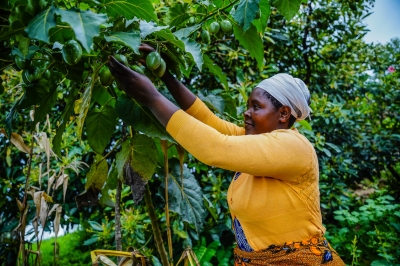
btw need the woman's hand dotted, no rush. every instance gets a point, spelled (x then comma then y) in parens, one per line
(137, 86)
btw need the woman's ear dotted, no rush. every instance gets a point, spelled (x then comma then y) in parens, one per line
(284, 114)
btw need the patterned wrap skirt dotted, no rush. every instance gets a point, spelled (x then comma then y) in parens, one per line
(315, 251)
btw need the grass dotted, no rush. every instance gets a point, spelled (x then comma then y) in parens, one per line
(70, 251)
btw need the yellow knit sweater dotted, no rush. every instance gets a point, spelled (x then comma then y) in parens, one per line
(276, 198)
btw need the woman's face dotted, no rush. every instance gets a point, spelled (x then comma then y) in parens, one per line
(261, 115)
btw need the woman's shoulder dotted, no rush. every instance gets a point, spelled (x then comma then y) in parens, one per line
(292, 137)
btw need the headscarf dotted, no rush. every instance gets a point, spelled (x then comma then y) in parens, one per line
(289, 91)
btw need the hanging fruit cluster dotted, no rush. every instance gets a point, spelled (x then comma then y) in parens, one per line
(218, 29)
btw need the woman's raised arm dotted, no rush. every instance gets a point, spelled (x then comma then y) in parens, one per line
(182, 95)
(140, 88)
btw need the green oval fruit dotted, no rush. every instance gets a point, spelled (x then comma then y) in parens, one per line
(22, 63)
(106, 78)
(192, 21)
(46, 74)
(72, 52)
(122, 58)
(205, 36)
(137, 69)
(153, 60)
(30, 75)
(159, 71)
(214, 27)
(226, 26)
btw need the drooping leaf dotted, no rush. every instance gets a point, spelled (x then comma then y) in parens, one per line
(38, 28)
(45, 106)
(85, 24)
(129, 39)
(194, 50)
(140, 153)
(130, 8)
(147, 28)
(252, 41)
(245, 13)
(185, 32)
(288, 8)
(140, 118)
(265, 10)
(216, 103)
(167, 35)
(87, 198)
(100, 125)
(111, 183)
(216, 70)
(82, 106)
(186, 199)
(97, 174)
(177, 14)
(135, 181)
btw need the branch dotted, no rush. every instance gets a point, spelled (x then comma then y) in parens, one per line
(218, 10)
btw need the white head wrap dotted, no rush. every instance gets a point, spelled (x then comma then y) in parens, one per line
(289, 91)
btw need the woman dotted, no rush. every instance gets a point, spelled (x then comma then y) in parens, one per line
(274, 195)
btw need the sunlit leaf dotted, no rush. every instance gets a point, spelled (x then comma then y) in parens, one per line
(252, 41)
(85, 24)
(129, 39)
(288, 8)
(147, 28)
(194, 50)
(130, 8)
(245, 13)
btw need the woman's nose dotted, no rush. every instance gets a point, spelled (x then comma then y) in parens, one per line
(247, 112)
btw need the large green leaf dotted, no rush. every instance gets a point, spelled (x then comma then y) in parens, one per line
(129, 39)
(194, 50)
(186, 199)
(245, 13)
(38, 28)
(167, 35)
(216, 70)
(203, 253)
(130, 8)
(140, 118)
(140, 153)
(47, 102)
(215, 103)
(100, 125)
(85, 24)
(177, 14)
(97, 174)
(288, 8)
(252, 41)
(261, 23)
(147, 28)
(185, 32)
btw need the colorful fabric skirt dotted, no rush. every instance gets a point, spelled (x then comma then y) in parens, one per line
(315, 251)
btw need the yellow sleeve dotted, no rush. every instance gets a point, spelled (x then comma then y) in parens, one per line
(281, 154)
(201, 112)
